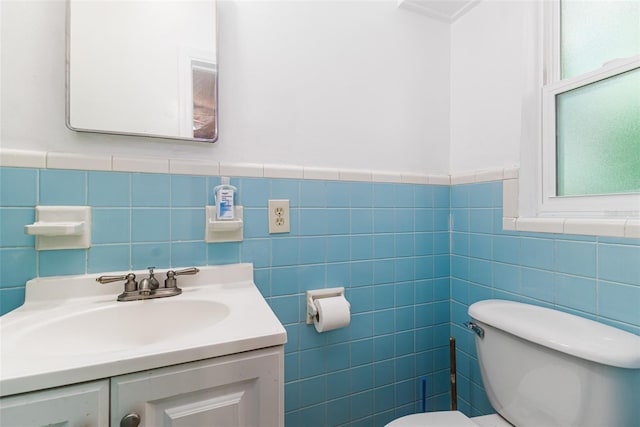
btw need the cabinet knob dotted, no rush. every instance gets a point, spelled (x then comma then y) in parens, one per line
(130, 420)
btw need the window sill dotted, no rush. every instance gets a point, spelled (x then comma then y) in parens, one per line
(610, 227)
(629, 228)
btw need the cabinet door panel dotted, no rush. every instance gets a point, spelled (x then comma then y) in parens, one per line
(227, 405)
(77, 405)
(237, 390)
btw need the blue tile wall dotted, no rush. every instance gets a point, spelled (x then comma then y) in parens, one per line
(388, 244)
(409, 277)
(593, 277)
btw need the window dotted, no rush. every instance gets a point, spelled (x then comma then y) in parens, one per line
(591, 109)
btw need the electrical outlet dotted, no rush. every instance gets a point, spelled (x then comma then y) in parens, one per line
(279, 216)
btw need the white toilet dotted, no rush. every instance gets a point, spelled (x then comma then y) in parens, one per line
(542, 367)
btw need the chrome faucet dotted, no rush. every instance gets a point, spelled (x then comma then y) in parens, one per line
(149, 287)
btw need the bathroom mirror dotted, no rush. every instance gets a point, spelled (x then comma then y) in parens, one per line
(143, 67)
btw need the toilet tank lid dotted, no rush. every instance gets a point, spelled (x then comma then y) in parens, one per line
(561, 331)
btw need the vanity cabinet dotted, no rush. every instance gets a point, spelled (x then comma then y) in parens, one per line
(244, 389)
(212, 356)
(84, 404)
(240, 390)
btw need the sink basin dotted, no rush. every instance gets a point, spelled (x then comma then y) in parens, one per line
(72, 329)
(121, 326)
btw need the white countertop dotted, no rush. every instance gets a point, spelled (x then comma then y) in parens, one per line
(246, 323)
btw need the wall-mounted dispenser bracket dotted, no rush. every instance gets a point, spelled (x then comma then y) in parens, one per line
(218, 231)
(312, 311)
(61, 227)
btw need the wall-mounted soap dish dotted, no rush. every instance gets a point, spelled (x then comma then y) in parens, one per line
(40, 228)
(61, 227)
(217, 230)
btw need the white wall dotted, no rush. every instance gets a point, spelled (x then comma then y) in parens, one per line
(359, 85)
(490, 53)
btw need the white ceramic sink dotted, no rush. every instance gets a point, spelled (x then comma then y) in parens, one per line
(72, 329)
(121, 326)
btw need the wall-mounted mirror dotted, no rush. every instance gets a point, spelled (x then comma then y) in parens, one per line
(143, 67)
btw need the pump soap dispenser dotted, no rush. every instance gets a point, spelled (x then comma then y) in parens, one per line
(224, 195)
(224, 220)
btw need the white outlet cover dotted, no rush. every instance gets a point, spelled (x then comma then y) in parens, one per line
(274, 224)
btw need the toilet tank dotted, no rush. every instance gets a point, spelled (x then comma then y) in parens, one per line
(543, 367)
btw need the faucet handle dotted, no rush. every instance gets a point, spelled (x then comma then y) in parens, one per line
(129, 286)
(171, 281)
(185, 271)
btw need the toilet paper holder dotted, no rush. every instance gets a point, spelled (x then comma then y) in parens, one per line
(312, 311)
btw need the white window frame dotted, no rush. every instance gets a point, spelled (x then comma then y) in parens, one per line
(549, 204)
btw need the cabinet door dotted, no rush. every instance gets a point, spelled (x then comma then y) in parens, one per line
(241, 390)
(77, 405)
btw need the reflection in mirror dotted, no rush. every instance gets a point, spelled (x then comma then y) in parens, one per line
(203, 76)
(143, 67)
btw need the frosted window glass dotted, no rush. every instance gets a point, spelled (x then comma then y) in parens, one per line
(594, 32)
(598, 137)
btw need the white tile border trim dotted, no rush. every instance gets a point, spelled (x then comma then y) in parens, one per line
(283, 171)
(510, 198)
(629, 228)
(23, 159)
(327, 174)
(472, 177)
(389, 177)
(463, 178)
(73, 161)
(57, 160)
(188, 167)
(509, 224)
(140, 164)
(410, 178)
(249, 170)
(439, 179)
(599, 227)
(632, 228)
(540, 225)
(355, 175)
(509, 173)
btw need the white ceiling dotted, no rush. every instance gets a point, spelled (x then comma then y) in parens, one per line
(442, 10)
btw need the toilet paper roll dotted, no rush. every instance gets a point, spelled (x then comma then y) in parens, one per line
(333, 313)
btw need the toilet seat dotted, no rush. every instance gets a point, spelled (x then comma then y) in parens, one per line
(434, 419)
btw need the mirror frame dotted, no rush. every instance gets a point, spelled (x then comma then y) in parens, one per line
(125, 133)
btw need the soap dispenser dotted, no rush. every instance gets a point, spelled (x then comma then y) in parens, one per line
(224, 197)
(224, 219)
